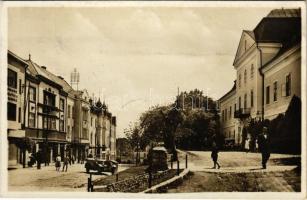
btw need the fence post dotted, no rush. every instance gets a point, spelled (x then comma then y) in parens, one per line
(178, 167)
(150, 179)
(186, 161)
(88, 184)
(116, 177)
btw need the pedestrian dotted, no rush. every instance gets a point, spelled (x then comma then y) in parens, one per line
(256, 148)
(214, 156)
(70, 159)
(38, 158)
(73, 159)
(246, 146)
(58, 163)
(263, 144)
(65, 163)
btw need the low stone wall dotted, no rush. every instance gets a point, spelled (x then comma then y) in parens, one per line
(172, 182)
(135, 184)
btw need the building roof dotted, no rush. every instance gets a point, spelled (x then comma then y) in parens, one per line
(250, 33)
(17, 57)
(278, 30)
(285, 13)
(281, 26)
(38, 70)
(230, 91)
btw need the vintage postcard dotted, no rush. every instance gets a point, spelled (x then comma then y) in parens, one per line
(153, 99)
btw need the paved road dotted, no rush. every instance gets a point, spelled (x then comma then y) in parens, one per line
(241, 171)
(47, 179)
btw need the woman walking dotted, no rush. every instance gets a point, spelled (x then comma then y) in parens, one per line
(214, 156)
(58, 163)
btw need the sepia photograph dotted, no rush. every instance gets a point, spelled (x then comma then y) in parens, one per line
(169, 99)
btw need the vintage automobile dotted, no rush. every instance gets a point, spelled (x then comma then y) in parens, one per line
(101, 165)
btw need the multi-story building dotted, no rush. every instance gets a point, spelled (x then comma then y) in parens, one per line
(45, 112)
(80, 139)
(15, 108)
(227, 105)
(268, 68)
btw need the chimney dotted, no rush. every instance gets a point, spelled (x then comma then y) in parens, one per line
(44, 67)
(29, 56)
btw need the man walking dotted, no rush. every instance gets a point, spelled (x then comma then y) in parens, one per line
(65, 163)
(214, 156)
(263, 144)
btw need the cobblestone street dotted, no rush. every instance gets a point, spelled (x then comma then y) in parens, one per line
(47, 179)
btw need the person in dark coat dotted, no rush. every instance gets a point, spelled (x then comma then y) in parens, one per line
(263, 145)
(214, 155)
(39, 158)
(65, 163)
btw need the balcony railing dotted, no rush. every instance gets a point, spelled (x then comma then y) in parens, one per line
(242, 113)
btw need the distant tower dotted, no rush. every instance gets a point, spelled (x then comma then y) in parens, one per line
(74, 78)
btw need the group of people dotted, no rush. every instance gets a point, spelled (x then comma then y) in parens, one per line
(66, 161)
(262, 145)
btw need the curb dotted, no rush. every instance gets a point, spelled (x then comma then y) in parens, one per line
(164, 185)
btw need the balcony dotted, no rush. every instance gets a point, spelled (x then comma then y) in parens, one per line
(242, 113)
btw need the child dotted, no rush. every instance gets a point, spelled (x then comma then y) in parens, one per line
(214, 156)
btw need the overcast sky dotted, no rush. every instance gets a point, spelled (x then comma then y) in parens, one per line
(135, 57)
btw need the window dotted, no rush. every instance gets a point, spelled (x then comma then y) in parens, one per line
(61, 125)
(275, 91)
(267, 94)
(72, 111)
(252, 71)
(235, 108)
(32, 94)
(53, 123)
(225, 114)
(49, 98)
(245, 76)
(11, 111)
(20, 86)
(31, 122)
(252, 98)
(62, 104)
(222, 115)
(245, 101)
(68, 111)
(91, 121)
(288, 85)
(11, 78)
(239, 80)
(229, 112)
(49, 123)
(239, 102)
(19, 115)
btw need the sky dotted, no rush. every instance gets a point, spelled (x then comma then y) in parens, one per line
(135, 57)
